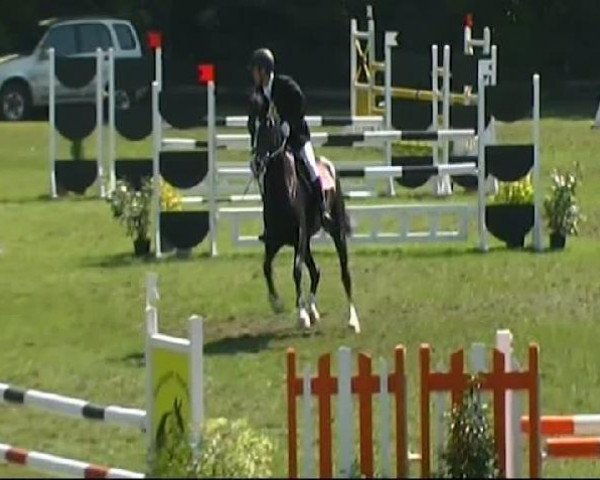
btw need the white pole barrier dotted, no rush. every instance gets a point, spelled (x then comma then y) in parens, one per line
(112, 139)
(466, 168)
(537, 190)
(467, 47)
(156, 139)
(504, 340)
(371, 56)
(487, 40)
(390, 41)
(99, 122)
(434, 106)
(212, 167)
(483, 242)
(353, 66)
(158, 70)
(197, 381)
(52, 121)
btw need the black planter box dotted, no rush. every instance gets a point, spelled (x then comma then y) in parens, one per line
(141, 247)
(510, 222)
(557, 241)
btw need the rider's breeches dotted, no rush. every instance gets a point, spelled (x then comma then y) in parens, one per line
(308, 156)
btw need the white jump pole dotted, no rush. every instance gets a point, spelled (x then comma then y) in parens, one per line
(504, 341)
(483, 241)
(212, 168)
(99, 121)
(156, 140)
(52, 122)
(537, 188)
(390, 42)
(371, 57)
(353, 66)
(112, 134)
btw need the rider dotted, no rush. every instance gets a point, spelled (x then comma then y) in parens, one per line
(282, 92)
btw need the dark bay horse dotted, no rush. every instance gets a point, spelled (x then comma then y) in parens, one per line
(291, 216)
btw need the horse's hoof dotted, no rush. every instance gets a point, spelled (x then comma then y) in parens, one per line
(276, 304)
(304, 319)
(315, 317)
(353, 322)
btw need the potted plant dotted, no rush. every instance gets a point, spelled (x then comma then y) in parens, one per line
(132, 208)
(510, 214)
(562, 212)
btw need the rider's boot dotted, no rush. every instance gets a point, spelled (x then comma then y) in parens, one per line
(320, 199)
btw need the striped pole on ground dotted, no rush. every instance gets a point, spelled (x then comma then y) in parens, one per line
(60, 466)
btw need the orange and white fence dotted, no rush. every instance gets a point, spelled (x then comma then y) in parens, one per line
(365, 385)
(336, 397)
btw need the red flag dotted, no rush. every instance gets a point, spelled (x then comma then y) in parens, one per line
(154, 39)
(469, 20)
(206, 73)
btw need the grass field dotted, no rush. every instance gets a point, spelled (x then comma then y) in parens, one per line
(71, 307)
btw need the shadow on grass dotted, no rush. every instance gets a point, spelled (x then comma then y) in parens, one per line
(252, 343)
(246, 343)
(128, 259)
(45, 198)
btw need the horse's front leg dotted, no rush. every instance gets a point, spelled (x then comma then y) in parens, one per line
(270, 252)
(315, 277)
(299, 259)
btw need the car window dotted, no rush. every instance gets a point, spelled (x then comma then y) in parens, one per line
(125, 36)
(93, 36)
(62, 39)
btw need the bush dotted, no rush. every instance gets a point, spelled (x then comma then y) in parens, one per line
(228, 449)
(470, 450)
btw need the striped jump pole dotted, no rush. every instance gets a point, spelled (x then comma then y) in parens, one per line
(60, 466)
(370, 121)
(555, 425)
(241, 141)
(573, 447)
(73, 407)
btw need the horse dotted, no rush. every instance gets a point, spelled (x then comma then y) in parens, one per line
(291, 216)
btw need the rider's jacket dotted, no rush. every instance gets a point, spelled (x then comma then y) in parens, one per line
(290, 106)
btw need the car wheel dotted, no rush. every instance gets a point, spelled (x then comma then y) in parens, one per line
(15, 102)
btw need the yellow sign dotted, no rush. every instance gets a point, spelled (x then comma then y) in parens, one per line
(171, 395)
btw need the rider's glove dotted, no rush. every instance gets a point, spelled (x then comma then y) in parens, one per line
(285, 130)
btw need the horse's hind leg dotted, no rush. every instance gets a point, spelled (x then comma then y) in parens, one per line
(270, 252)
(299, 259)
(315, 276)
(342, 250)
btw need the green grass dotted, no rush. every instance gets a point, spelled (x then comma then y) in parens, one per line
(71, 299)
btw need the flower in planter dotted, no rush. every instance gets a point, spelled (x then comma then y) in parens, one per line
(171, 200)
(515, 193)
(563, 214)
(132, 208)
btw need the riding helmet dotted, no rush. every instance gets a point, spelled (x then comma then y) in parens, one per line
(263, 58)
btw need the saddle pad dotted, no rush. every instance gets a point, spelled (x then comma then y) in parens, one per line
(327, 180)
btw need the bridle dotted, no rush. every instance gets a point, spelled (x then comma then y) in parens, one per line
(262, 161)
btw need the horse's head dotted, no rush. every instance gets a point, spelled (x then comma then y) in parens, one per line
(268, 139)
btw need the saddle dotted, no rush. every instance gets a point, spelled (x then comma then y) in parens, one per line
(296, 171)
